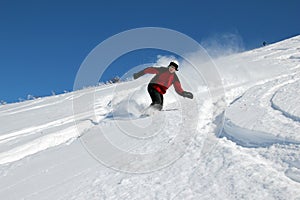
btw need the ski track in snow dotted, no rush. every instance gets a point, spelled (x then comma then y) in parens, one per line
(252, 112)
(256, 156)
(285, 100)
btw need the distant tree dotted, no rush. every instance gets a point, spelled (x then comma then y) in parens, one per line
(116, 79)
(30, 97)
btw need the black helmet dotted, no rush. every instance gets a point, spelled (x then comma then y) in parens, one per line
(174, 65)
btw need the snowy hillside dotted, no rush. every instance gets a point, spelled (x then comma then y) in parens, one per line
(56, 148)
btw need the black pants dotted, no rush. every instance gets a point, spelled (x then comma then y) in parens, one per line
(156, 97)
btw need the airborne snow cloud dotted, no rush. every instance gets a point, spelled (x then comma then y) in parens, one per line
(223, 44)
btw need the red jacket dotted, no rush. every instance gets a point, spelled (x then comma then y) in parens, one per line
(163, 79)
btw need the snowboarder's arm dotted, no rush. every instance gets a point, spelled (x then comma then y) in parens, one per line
(149, 70)
(178, 87)
(180, 91)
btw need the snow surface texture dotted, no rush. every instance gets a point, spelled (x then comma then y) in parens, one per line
(256, 156)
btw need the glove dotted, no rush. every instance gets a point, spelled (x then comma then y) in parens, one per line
(188, 95)
(137, 75)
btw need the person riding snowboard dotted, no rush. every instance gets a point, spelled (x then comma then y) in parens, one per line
(164, 78)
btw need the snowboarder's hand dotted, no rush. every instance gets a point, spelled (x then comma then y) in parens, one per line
(136, 75)
(188, 95)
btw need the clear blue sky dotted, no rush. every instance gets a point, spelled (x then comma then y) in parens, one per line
(43, 43)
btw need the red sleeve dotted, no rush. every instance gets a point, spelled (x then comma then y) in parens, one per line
(151, 70)
(178, 87)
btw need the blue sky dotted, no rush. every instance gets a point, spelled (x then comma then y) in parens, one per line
(43, 43)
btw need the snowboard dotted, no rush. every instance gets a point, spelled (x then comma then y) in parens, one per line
(149, 111)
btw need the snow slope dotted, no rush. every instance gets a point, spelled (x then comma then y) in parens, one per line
(48, 151)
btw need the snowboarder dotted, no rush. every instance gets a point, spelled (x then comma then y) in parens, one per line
(164, 78)
(264, 43)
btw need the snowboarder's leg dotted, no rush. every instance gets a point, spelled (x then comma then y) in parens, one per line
(156, 97)
(162, 100)
(159, 106)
